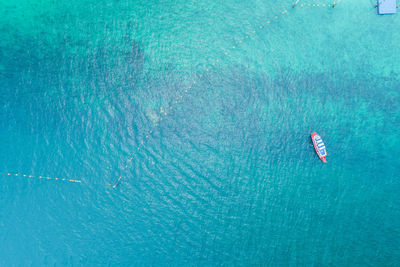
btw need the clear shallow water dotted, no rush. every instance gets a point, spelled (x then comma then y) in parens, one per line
(229, 175)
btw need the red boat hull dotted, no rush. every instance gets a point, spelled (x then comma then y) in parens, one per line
(323, 158)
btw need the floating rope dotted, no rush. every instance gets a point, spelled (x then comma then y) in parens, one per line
(44, 177)
(318, 5)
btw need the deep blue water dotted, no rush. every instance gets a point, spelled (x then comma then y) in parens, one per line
(204, 110)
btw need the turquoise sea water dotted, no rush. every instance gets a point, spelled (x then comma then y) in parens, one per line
(226, 174)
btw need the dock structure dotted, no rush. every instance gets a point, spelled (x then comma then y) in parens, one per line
(386, 7)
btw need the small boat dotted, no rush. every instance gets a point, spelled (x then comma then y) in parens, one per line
(319, 146)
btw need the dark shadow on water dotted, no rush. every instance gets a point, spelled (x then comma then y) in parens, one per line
(65, 70)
